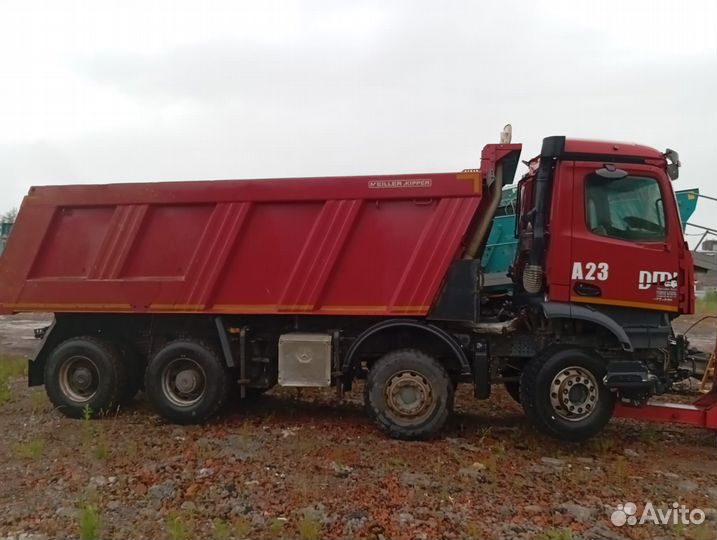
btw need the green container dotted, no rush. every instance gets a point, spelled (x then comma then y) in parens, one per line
(501, 245)
(687, 203)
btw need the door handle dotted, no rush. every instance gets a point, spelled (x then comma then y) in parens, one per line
(587, 289)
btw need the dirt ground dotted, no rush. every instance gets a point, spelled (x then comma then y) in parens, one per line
(306, 466)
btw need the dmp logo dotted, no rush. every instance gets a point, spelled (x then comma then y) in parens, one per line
(648, 279)
(677, 514)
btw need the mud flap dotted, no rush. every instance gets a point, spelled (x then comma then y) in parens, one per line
(36, 365)
(481, 371)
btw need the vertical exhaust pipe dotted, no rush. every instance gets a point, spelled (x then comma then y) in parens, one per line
(533, 271)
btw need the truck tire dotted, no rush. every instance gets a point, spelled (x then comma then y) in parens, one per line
(562, 393)
(187, 382)
(409, 394)
(85, 375)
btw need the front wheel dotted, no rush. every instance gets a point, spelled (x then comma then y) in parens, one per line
(187, 382)
(409, 394)
(562, 393)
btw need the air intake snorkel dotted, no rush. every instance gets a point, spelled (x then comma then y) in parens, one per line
(533, 271)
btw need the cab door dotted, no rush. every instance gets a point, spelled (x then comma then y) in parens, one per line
(625, 237)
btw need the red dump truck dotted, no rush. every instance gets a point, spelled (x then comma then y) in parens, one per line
(191, 289)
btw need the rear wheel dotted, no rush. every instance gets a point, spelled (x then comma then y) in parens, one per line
(85, 375)
(409, 394)
(187, 382)
(562, 393)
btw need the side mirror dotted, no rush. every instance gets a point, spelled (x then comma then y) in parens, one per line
(673, 168)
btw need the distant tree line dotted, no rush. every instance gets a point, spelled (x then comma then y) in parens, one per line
(9, 216)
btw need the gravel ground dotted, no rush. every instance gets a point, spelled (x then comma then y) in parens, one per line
(305, 466)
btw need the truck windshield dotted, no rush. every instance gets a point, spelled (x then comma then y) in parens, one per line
(629, 208)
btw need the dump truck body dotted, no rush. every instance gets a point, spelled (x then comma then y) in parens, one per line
(377, 245)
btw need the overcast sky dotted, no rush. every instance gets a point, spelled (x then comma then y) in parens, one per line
(99, 91)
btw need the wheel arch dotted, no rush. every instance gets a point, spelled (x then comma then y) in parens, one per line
(388, 329)
(559, 310)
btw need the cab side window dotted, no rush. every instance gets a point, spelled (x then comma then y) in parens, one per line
(628, 208)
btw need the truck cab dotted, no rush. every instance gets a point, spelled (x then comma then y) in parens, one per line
(602, 259)
(613, 229)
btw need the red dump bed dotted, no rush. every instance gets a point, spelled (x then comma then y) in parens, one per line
(366, 245)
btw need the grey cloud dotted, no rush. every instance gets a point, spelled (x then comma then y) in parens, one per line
(431, 86)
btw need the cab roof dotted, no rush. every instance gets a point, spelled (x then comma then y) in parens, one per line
(588, 146)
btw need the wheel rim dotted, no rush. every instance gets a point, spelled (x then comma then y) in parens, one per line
(409, 397)
(574, 393)
(183, 382)
(79, 378)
